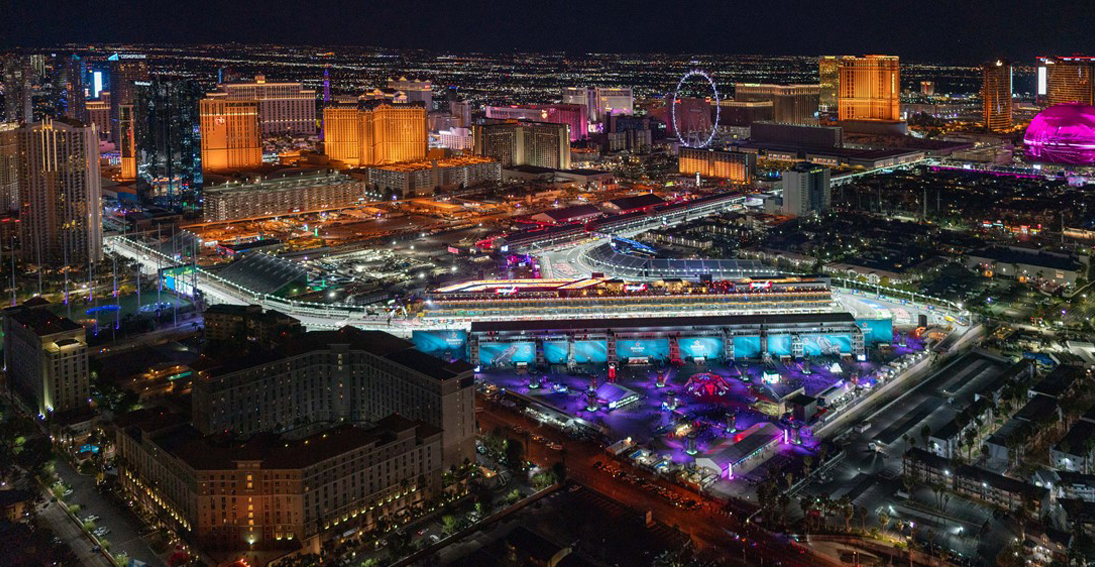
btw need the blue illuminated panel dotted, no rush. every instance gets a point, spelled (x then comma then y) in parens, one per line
(876, 330)
(507, 353)
(779, 345)
(442, 344)
(746, 347)
(816, 345)
(591, 351)
(555, 352)
(654, 349)
(701, 347)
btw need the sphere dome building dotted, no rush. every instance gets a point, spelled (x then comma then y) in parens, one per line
(1064, 134)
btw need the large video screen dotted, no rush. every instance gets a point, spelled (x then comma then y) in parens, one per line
(555, 352)
(876, 331)
(653, 349)
(746, 347)
(491, 354)
(701, 347)
(442, 344)
(817, 345)
(591, 351)
(779, 345)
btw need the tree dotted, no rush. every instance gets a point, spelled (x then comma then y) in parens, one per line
(925, 434)
(449, 524)
(559, 470)
(515, 454)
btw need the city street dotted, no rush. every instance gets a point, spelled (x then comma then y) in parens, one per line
(124, 527)
(710, 526)
(72, 535)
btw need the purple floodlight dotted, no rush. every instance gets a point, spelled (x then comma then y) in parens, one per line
(1064, 133)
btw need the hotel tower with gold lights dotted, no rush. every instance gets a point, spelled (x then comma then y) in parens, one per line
(996, 95)
(230, 134)
(870, 88)
(1066, 79)
(375, 132)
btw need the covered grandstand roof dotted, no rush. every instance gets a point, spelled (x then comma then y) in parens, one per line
(264, 273)
(605, 255)
(635, 202)
(663, 322)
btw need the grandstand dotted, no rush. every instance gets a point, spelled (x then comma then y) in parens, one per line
(605, 297)
(264, 274)
(618, 263)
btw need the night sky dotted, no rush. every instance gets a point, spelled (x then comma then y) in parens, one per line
(959, 31)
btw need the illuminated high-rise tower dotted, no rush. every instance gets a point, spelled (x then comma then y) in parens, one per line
(69, 72)
(60, 193)
(126, 70)
(327, 84)
(829, 80)
(1066, 79)
(375, 132)
(870, 88)
(512, 143)
(17, 74)
(168, 143)
(284, 107)
(996, 95)
(229, 134)
(416, 90)
(9, 166)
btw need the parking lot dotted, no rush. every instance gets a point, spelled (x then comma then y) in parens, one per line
(870, 474)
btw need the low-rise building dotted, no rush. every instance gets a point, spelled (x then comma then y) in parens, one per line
(1028, 265)
(974, 482)
(225, 322)
(423, 178)
(1076, 450)
(292, 191)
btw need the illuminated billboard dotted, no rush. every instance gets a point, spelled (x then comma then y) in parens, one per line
(491, 354)
(591, 351)
(876, 330)
(746, 347)
(653, 349)
(179, 279)
(701, 347)
(442, 344)
(779, 345)
(817, 345)
(555, 352)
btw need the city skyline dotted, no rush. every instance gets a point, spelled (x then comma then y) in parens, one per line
(936, 30)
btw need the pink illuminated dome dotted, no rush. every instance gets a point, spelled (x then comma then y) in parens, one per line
(1064, 134)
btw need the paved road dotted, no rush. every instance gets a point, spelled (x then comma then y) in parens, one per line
(709, 526)
(124, 526)
(71, 535)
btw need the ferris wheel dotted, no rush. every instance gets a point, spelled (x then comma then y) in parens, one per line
(691, 117)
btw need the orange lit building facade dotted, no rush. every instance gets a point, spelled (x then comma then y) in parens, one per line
(870, 88)
(734, 166)
(829, 80)
(996, 95)
(1068, 79)
(230, 134)
(375, 133)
